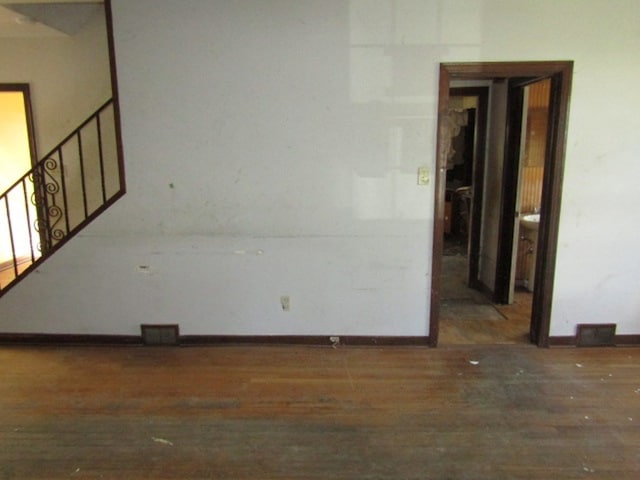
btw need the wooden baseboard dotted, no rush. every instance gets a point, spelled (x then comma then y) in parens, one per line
(186, 340)
(319, 340)
(482, 288)
(627, 339)
(313, 340)
(570, 340)
(67, 339)
(562, 341)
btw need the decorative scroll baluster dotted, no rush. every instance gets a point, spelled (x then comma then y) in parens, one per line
(59, 187)
(50, 213)
(52, 187)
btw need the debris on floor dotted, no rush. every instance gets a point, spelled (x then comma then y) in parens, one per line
(162, 441)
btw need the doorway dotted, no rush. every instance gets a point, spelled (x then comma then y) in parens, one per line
(467, 312)
(494, 279)
(464, 179)
(18, 218)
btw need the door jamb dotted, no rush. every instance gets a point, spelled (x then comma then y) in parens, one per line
(560, 73)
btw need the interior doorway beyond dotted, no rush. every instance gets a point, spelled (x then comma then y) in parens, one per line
(559, 74)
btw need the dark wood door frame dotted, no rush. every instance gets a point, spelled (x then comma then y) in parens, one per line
(560, 73)
(26, 95)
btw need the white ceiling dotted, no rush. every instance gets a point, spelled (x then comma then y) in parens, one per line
(45, 18)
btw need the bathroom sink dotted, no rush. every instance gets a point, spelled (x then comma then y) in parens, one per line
(530, 220)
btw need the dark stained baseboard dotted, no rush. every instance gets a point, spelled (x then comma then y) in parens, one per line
(562, 341)
(186, 340)
(571, 341)
(319, 340)
(628, 340)
(313, 340)
(483, 288)
(68, 339)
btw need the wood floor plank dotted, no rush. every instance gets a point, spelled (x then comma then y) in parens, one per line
(478, 412)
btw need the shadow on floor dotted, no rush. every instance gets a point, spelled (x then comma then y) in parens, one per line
(468, 317)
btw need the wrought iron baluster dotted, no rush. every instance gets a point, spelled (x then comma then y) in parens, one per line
(11, 239)
(52, 213)
(26, 209)
(63, 181)
(53, 182)
(41, 201)
(83, 183)
(101, 159)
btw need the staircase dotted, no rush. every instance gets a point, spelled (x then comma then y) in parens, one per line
(69, 187)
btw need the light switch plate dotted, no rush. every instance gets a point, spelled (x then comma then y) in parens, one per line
(423, 175)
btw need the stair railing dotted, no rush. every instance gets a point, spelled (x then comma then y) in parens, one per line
(72, 185)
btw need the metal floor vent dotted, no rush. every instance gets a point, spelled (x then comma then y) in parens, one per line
(596, 335)
(160, 334)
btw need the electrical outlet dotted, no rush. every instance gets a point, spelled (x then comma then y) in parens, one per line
(423, 176)
(285, 302)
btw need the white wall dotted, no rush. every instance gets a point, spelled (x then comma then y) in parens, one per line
(272, 147)
(68, 77)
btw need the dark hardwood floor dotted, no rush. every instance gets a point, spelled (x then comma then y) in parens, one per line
(464, 412)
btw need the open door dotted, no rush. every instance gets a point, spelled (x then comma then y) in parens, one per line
(510, 214)
(519, 74)
(525, 148)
